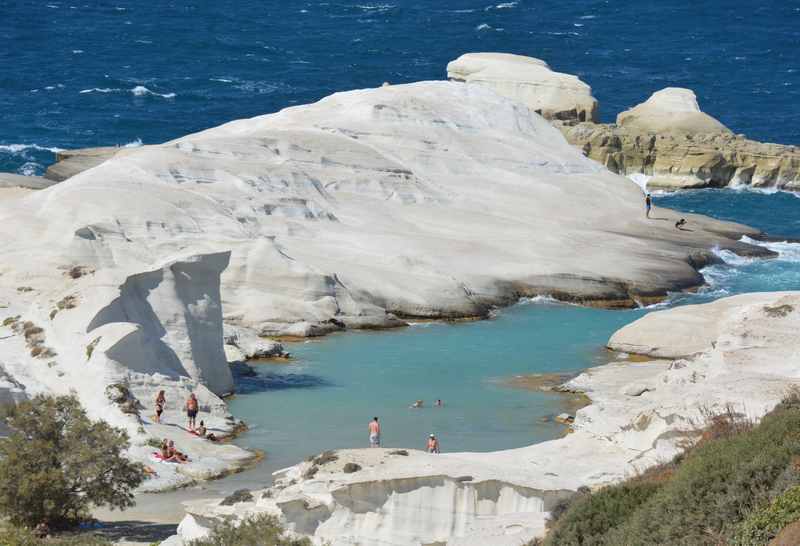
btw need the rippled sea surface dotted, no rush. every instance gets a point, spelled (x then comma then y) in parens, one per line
(76, 73)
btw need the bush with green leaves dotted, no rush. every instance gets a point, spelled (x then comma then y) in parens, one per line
(259, 530)
(763, 525)
(704, 496)
(57, 463)
(16, 536)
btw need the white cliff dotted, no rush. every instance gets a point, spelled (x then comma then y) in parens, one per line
(529, 81)
(740, 351)
(434, 199)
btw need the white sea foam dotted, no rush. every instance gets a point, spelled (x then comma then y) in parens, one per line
(133, 144)
(379, 8)
(788, 252)
(540, 300)
(21, 148)
(483, 26)
(506, 5)
(138, 91)
(30, 168)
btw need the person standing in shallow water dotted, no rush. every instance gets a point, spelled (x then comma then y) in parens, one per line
(374, 433)
(433, 444)
(192, 407)
(648, 204)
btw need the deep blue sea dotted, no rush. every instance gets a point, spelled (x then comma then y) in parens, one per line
(75, 73)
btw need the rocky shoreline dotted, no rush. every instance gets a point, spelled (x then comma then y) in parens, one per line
(700, 358)
(155, 267)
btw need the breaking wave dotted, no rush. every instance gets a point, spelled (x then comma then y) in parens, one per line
(138, 91)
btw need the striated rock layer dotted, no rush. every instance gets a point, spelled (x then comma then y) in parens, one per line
(678, 160)
(739, 351)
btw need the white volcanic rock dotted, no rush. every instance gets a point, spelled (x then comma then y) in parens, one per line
(503, 497)
(530, 81)
(670, 110)
(434, 199)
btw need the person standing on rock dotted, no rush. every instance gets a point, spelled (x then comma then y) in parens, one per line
(374, 433)
(648, 204)
(192, 407)
(161, 401)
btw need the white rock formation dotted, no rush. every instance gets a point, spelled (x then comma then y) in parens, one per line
(435, 199)
(746, 356)
(530, 81)
(670, 110)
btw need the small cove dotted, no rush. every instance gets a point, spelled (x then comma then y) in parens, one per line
(324, 397)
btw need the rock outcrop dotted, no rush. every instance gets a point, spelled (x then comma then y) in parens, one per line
(686, 160)
(71, 162)
(530, 81)
(667, 137)
(670, 111)
(739, 351)
(11, 180)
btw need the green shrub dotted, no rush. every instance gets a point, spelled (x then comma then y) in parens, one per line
(705, 495)
(762, 525)
(590, 517)
(15, 536)
(57, 463)
(260, 530)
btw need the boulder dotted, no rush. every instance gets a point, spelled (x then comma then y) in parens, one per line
(670, 110)
(11, 180)
(530, 81)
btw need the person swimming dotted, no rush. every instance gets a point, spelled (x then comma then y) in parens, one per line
(439, 403)
(417, 404)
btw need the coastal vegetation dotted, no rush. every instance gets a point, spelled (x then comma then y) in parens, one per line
(258, 530)
(57, 464)
(738, 485)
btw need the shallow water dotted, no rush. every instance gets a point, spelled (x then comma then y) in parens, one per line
(324, 399)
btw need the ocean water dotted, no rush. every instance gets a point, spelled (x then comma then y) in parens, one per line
(75, 73)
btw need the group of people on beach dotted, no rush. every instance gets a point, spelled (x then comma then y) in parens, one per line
(168, 452)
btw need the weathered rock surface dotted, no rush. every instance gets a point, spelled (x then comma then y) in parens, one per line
(11, 180)
(671, 110)
(746, 357)
(679, 160)
(71, 162)
(530, 81)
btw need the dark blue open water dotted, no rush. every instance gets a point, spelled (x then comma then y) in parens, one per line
(76, 73)
(69, 68)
